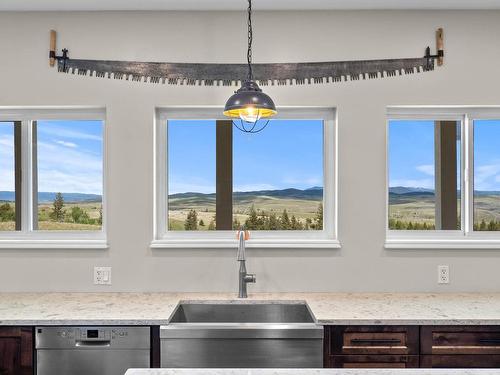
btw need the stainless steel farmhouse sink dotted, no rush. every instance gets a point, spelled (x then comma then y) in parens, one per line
(242, 335)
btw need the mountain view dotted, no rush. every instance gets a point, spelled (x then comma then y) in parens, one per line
(56, 211)
(414, 208)
(286, 209)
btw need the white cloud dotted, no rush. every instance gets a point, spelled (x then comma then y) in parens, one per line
(427, 169)
(65, 132)
(67, 144)
(68, 170)
(426, 183)
(486, 177)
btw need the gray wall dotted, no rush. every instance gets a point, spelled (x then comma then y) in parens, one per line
(471, 76)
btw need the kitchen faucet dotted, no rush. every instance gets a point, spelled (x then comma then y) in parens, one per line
(244, 277)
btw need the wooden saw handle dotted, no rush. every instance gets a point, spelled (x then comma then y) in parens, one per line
(440, 46)
(52, 50)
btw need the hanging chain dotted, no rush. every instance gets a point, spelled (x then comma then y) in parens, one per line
(250, 39)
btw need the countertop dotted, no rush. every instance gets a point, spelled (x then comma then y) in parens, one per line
(311, 372)
(328, 308)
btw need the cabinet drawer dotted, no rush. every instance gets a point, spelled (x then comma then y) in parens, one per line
(460, 340)
(374, 361)
(460, 361)
(374, 340)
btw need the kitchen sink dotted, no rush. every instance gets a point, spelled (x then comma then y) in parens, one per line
(242, 313)
(242, 335)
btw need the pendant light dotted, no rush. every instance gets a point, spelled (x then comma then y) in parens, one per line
(249, 104)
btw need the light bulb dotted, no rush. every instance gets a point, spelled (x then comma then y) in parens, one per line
(250, 114)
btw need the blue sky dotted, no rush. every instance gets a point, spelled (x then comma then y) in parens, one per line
(411, 154)
(69, 156)
(285, 154)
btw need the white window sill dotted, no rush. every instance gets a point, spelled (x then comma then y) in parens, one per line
(53, 244)
(451, 244)
(229, 243)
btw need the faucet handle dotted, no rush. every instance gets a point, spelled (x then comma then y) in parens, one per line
(246, 234)
(250, 278)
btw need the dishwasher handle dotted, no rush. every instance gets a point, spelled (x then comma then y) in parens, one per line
(93, 344)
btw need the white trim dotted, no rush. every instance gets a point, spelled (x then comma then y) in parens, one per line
(437, 244)
(327, 238)
(27, 237)
(266, 244)
(53, 244)
(466, 238)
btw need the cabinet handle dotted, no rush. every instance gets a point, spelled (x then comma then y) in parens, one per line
(375, 341)
(489, 341)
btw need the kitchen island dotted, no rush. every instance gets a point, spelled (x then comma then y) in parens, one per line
(311, 372)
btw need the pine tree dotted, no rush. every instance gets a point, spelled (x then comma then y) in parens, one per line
(252, 222)
(57, 213)
(273, 223)
(191, 222)
(285, 221)
(7, 212)
(201, 223)
(319, 217)
(482, 226)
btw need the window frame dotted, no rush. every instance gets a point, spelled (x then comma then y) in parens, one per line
(326, 238)
(466, 238)
(27, 238)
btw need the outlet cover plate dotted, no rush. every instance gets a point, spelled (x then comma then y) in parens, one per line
(102, 275)
(443, 274)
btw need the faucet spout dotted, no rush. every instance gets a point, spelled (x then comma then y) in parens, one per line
(244, 277)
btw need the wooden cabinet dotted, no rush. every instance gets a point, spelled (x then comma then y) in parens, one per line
(372, 346)
(412, 346)
(374, 361)
(16, 351)
(460, 346)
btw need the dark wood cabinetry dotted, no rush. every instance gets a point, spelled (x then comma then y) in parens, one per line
(460, 346)
(412, 346)
(372, 346)
(16, 350)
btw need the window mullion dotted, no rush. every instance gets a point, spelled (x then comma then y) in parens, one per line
(469, 175)
(26, 177)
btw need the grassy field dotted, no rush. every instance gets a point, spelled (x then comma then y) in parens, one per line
(205, 208)
(46, 223)
(420, 208)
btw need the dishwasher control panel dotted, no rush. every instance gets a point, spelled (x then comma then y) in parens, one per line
(118, 337)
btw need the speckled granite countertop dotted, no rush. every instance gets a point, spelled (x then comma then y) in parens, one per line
(328, 308)
(311, 372)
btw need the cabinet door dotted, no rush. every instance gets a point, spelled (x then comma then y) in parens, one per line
(374, 361)
(454, 340)
(371, 340)
(16, 351)
(460, 361)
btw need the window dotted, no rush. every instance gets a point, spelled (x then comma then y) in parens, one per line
(8, 212)
(443, 177)
(212, 178)
(52, 193)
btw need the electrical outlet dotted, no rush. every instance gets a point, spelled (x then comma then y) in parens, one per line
(443, 274)
(102, 275)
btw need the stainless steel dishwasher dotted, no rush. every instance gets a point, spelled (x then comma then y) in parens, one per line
(91, 350)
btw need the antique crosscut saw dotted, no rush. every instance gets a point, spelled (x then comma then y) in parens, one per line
(234, 74)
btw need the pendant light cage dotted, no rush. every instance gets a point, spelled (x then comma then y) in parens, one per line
(248, 105)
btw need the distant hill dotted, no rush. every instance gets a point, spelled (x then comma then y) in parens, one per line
(408, 190)
(44, 197)
(404, 190)
(315, 193)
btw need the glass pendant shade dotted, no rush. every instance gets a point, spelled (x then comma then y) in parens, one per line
(250, 104)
